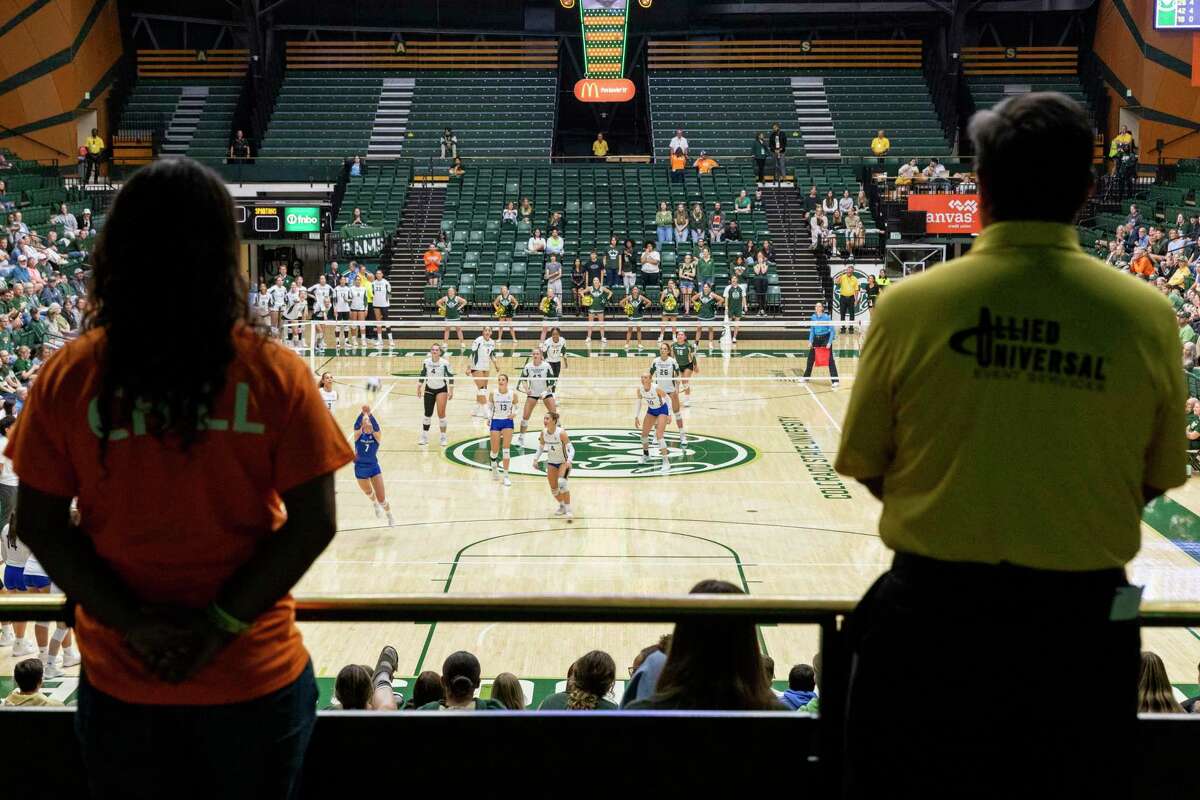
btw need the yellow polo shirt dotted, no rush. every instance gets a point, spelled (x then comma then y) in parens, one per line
(880, 145)
(1030, 393)
(847, 284)
(94, 144)
(599, 148)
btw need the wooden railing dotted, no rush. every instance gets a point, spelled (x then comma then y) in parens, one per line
(497, 54)
(195, 64)
(788, 54)
(1020, 60)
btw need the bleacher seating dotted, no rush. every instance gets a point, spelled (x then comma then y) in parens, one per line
(323, 115)
(380, 193)
(995, 73)
(898, 101)
(597, 202)
(36, 189)
(212, 117)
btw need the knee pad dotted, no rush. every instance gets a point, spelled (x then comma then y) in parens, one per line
(679, 416)
(426, 421)
(481, 393)
(562, 486)
(59, 634)
(507, 453)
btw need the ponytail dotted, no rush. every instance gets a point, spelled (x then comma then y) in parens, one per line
(461, 686)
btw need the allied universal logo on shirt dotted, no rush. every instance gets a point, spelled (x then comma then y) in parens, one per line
(1014, 348)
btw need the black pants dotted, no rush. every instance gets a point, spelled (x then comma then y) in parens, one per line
(93, 167)
(826, 277)
(980, 681)
(760, 289)
(760, 165)
(820, 341)
(845, 308)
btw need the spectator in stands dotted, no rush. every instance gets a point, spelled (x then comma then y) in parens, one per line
(937, 174)
(427, 689)
(643, 673)
(713, 664)
(356, 218)
(537, 242)
(906, 421)
(733, 231)
(578, 281)
(662, 223)
(861, 201)
(28, 675)
(554, 243)
(829, 205)
(777, 142)
(678, 144)
(433, 265)
(802, 685)
(449, 142)
(6, 202)
(759, 151)
(630, 260)
(1134, 220)
(742, 204)
(456, 169)
(907, 174)
(681, 231)
(812, 202)
(460, 679)
(650, 262)
(1141, 264)
(239, 151)
(716, 223)
(705, 164)
(1192, 705)
(1123, 139)
(845, 203)
(760, 281)
(553, 275)
(1155, 695)
(352, 688)
(525, 210)
(509, 214)
(589, 681)
(856, 234)
(356, 166)
(678, 165)
(737, 266)
(506, 690)
(95, 154)
(880, 145)
(600, 148)
(595, 269)
(173, 639)
(697, 223)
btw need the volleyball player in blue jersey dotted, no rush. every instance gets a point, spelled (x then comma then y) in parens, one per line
(366, 463)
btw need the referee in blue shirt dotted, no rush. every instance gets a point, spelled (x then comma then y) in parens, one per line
(821, 336)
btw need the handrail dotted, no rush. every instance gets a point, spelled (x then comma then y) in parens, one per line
(571, 608)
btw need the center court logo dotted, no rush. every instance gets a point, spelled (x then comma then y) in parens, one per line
(612, 453)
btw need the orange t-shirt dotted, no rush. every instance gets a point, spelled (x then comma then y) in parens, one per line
(705, 165)
(433, 260)
(678, 162)
(1143, 266)
(174, 525)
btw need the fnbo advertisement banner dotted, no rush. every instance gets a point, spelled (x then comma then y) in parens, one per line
(302, 219)
(361, 241)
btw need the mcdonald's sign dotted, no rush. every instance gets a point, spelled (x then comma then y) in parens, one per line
(604, 90)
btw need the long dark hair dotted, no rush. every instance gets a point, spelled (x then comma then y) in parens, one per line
(1154, 689)
(427, 688)
(592, 677)
(460, 675)
(173, 206)
(714, 663)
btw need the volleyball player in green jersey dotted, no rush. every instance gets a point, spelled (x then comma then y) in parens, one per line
(735, 303)
(451, 307)
(506, 306)
(594, 299)
(669, 300)
(634, 304)
(551, 308)
(706, 311)
(684, 354)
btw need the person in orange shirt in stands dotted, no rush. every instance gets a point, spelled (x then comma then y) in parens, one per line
(433, 264)
(182, 446)
(1141, 265)
(678, 165)
(705, 163)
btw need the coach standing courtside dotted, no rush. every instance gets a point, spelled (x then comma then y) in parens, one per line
(1014, 410)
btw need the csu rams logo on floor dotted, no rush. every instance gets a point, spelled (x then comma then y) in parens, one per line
(612, 453)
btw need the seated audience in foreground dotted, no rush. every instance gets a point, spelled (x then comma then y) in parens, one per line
(589, 681)
(460, 680)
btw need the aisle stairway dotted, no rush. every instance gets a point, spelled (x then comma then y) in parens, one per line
(799, 282)
(420, 222)
(814, 118)
(391, 118)
(185, 120)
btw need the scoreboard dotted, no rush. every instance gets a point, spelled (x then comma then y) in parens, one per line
(1177, 15)
(266, 220)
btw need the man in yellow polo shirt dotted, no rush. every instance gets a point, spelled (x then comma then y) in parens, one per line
(600, 148)
(1014, 410)
(95, 152)
(880, 145)
(847, 286)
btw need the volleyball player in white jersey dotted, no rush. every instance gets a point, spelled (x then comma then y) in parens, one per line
(502, 407)
(16, 555)
(341, 314)
(262, 306)
(435, 387)
(277, 295)
(537, 382)
(329, 395)
(358, 314)
(482, 357)
(293, 317)
(658, 414)
(38, 582)
(322, 310)
(381, 300)
(665, 370)
(556, 444)
(555, 349)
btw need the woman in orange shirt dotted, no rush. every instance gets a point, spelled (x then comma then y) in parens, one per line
(678, 165)
(433, 263)
(182, 447)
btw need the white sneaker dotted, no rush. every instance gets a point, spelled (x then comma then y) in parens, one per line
(507, 481)
(520, 440)
(71, 658)
(51, 670)
(666, 466)
(603, 340)
(495, 473)
(683, 439)
(568, 515)
(23, 647)
(443, 440)
(424, 440)
(687, 403)
(378, 511)
(588, 339)
(834, 384)
(391, 520)
(561, 510)
(7, 639)
(659, 339)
